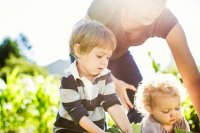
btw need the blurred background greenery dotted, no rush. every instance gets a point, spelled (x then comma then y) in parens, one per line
(29, 96)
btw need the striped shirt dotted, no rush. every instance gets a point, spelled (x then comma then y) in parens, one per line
(82, 97)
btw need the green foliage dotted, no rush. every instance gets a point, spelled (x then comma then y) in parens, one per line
(181, 131)
(28, 95)
(28, 99)
(191, 115)
(136, 127)
(155, 65)
(23, 66)
(114, 129)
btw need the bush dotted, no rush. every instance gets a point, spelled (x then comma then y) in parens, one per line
(28, 103)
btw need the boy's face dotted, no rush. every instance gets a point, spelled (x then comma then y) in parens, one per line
(166, 109)
(93, 63)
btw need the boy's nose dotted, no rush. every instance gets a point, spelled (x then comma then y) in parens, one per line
(173, 114)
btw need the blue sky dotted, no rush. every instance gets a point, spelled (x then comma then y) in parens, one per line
(48, 23)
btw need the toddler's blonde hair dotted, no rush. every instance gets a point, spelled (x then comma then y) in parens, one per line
(166, 84)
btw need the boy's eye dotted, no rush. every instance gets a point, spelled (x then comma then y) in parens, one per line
(167, 111)
(177, 108)
(108, 58)
(99, 56)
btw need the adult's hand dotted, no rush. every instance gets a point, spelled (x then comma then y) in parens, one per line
(121, 89)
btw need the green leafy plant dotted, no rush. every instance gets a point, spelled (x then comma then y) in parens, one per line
(136, 127)
(180, 131)
(27, 95)
(26, 100)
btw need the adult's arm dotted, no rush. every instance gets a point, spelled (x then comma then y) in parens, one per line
(187, 67)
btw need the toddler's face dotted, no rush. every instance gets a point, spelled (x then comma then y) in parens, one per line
(95, 62)
(166, 109)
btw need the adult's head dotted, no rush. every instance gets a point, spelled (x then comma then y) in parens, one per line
(131, 13)
(141, 12)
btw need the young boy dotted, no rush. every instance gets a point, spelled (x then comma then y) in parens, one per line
(87, 90)
(160, 101)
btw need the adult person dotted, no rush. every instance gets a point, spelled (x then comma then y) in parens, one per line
(133, 22)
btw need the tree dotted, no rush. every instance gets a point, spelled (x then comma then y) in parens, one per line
(8, 47)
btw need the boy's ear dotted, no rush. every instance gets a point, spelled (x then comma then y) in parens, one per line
(77, 50)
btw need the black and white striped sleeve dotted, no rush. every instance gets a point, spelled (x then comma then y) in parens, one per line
(110, 97)
(70, 99)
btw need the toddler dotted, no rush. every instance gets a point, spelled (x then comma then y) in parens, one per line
(159, 101)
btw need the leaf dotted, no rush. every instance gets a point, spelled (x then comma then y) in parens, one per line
(136, 127)
(178, 130)
(113, 130)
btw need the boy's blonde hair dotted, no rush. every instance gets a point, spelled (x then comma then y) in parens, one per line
(90, 34)
(166, 84)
